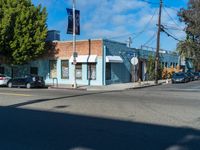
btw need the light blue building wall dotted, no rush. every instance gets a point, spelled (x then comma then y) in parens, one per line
(165, 57)
(120, 72)
(44, 70)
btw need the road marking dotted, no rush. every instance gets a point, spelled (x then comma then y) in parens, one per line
(15, 94)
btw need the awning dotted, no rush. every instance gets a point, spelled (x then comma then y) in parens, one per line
(84, 58)
(114, 59)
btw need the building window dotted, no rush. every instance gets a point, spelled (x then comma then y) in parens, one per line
(53, 68)
(78, 71)
(163, 64)
(92, 71)
(34, 70)
(171, 64)
(1, 70)
(108, 71)
(166, 65)
(65, 69)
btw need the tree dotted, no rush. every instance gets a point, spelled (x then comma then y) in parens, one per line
(23, 30)
(151, 68)
(191, 46)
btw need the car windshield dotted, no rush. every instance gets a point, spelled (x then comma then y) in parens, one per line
(179, 74)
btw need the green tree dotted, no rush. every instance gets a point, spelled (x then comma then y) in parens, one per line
(23, 30)
(151, 68)
(190, 16)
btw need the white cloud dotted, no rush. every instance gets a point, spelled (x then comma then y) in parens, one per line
(114, 18)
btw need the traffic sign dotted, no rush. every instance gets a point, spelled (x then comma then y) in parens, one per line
(134, 60)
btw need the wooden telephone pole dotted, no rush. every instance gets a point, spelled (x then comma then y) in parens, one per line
(158, 43)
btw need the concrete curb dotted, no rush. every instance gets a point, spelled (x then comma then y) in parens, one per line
(109, 87)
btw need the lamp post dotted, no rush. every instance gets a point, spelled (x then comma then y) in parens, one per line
(74, 43)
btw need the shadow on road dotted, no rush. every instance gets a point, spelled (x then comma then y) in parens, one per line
(24, 129)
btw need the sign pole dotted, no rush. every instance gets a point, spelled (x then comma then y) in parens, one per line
(74, 44)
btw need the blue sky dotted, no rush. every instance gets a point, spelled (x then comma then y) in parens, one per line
(118, 19)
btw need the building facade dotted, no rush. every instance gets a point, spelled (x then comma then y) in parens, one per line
(98, 62)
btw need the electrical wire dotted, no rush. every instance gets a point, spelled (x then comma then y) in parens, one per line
(139, 33)
(146, 26)
(170, 34)
(172, 18)
(172, 27)
(151, 39)
(146, 1)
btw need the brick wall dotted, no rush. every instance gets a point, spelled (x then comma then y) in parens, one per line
(64, 49)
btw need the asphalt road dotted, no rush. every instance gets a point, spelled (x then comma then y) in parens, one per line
(165, 117)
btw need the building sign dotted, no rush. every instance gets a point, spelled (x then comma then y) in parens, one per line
(70, 21)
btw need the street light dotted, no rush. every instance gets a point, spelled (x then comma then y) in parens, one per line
(74, 43)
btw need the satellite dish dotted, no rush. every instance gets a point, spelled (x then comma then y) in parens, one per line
(134, 60)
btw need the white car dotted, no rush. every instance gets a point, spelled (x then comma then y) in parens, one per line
(4, 79)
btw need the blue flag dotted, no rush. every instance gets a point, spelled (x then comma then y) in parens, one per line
(70, 21)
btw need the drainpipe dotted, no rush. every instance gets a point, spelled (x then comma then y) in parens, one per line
(104, 66)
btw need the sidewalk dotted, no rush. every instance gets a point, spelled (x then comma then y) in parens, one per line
(111, 87)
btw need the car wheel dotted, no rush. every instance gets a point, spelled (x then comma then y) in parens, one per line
(28, 85)
(10, 84)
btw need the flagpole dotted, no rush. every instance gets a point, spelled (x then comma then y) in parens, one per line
(74, 44)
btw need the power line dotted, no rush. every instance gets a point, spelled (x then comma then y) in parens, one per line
(170, 34)
(167, 6)
(139, 33)
(172, 18)
(146, 1)
(151, 39)
(146, 26)
(171, 27)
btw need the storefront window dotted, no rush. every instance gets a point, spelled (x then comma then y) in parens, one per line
(78, 71)
(65, 69)
(53, 68)
(108, 71)
(92, 71)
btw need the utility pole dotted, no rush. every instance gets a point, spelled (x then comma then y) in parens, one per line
(158, 44)
(74, 44)
(129, 42)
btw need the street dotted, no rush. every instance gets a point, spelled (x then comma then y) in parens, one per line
(165, 117)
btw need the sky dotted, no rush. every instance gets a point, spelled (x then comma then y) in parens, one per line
(118, 20)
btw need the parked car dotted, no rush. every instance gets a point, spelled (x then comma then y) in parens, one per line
(4, 80)
(179, 77)
(29, 81)
(191, 76)
(196, 75)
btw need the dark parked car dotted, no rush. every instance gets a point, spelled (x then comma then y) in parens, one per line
(196, 75)
(179, 77)
(191, 76)
(28, 81)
